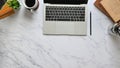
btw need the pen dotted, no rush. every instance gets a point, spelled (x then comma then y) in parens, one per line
(90, 23)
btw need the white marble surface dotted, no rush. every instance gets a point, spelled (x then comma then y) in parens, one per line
(22, 44)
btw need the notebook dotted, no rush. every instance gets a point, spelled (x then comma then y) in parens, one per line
(100, 7)
(66, 17)
(113, 9)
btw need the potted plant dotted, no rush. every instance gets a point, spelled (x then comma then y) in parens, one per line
(13, 3)
(8, 8)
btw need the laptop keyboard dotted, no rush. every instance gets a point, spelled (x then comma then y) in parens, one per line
(61, 13)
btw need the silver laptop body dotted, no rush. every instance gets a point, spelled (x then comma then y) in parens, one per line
(72, 25)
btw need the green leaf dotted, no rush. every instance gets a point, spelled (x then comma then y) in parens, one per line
(14, 4)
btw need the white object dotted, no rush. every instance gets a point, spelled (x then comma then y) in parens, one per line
(33, 7)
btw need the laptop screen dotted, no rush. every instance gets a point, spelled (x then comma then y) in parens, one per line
(66, 1)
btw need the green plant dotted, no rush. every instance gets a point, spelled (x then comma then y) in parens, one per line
(13, 3)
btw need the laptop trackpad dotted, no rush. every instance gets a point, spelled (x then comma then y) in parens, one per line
(65, 28)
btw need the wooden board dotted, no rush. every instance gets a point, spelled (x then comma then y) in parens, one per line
(113, 9)
(100, 7)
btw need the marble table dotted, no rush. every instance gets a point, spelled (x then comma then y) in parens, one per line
(23, 45)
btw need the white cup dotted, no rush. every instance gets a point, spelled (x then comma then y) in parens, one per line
(31, 8)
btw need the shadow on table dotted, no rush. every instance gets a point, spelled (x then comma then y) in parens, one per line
(28, 14)
(116, 40)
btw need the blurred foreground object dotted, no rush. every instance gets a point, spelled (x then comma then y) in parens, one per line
(6, 11)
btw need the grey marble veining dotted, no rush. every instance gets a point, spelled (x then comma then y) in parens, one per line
(23, 45)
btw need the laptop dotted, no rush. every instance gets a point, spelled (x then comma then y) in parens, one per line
(65, 17)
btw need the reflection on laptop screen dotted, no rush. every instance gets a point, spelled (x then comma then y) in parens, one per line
(66, 1)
